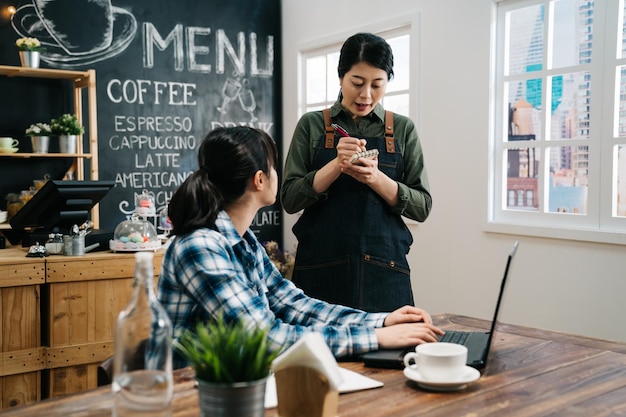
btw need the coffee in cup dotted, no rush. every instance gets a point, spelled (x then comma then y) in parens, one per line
(438, 362)
(8, 143)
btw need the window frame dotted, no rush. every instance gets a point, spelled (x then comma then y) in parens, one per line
(598, 225)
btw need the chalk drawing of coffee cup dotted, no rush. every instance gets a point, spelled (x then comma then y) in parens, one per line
(76, 32)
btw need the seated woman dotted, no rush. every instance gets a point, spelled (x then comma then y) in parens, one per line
(215, 265)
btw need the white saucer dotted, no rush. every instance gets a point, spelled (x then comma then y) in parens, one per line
(470, 375)
(8, 150)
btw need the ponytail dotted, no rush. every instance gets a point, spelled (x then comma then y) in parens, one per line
(228, 158)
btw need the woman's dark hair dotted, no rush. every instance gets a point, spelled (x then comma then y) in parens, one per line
(369, 48)
(228, 158)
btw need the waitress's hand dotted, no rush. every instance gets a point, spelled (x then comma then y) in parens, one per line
(328, 174)
(348, 146)
(364, 170)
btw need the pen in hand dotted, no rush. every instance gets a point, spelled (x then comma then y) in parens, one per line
(340, 130)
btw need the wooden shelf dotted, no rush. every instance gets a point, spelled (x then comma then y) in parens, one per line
(11, 71)
(82, 80)
(46, 155)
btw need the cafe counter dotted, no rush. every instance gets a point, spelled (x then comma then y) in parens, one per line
(57, 320)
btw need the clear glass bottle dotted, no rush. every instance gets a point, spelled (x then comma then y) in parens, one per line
(142, 362)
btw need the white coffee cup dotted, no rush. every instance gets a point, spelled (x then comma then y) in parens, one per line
(438, 362)
(8, 143)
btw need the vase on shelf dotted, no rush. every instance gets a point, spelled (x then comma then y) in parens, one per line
(40, 143)
(67, 144)
(29, 59)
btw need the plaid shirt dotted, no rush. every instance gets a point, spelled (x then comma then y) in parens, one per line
(207, 272)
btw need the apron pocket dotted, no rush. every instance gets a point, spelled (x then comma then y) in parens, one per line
(328, 280)
(385, 284)
(388, 168)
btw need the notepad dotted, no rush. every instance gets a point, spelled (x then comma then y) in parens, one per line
(352, 381)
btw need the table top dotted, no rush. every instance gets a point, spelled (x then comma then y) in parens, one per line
(531, 372)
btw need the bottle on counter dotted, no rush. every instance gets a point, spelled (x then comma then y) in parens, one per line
(142, 362)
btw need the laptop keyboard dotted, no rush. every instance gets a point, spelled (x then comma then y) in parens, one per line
(455, 337)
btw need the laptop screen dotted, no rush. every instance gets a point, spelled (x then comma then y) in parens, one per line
(479, 343)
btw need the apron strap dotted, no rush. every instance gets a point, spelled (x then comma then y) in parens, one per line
(329, 143)
(330, 132)
(389, 142)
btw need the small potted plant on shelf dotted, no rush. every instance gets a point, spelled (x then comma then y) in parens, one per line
(39, 136)
(67, 127)
(232, 363)
(29, 49)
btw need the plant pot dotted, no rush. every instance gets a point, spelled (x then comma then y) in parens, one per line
(29, 59)
(40, 143)
(241, 399)
(67, 144)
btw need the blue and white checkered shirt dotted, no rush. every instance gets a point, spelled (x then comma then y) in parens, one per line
(208, 272)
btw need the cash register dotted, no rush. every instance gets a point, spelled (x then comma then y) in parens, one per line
(56, 208)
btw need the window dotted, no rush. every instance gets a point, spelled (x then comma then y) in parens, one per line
(559, 141)
(321, 82)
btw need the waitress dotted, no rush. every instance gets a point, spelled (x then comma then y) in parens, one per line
(352, 240)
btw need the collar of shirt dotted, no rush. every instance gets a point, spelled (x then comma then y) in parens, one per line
(224, 225)
(246, 245)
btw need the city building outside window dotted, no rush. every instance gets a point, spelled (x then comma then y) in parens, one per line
(559, 140)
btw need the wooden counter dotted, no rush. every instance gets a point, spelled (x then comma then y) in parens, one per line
(22, 356)
(58, 319)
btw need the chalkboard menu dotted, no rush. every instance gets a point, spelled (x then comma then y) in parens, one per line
(167, 73)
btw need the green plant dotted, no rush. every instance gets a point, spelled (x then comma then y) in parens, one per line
(227, 352)
(39, 129)
(67, 124)
(29, 44)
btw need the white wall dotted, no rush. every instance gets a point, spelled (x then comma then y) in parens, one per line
(561, 285)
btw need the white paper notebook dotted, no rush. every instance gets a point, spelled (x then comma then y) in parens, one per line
(352, 381)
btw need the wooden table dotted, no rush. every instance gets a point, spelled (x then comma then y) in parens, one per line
(532, 373)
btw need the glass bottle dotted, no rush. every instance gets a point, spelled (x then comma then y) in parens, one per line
(142, 362)
(14, 204)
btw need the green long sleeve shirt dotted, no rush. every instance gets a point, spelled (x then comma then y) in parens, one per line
(414, 199)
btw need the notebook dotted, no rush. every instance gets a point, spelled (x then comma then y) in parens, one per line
(478, 343)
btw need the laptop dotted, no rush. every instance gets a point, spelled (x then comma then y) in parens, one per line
(478, 343)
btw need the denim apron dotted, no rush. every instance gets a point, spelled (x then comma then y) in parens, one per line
(351, 248)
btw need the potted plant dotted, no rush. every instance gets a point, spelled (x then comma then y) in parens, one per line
(67, 127)
(232, 363)
(29, 49)
(39, 136)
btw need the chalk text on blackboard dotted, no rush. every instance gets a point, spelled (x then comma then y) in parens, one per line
(125, 123)
(136, 92)
(266, 218)
(192, 47)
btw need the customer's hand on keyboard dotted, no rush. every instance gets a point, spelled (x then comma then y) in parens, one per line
(406, 334)
(408, 314)
(407, 326)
